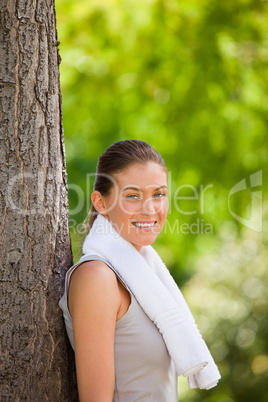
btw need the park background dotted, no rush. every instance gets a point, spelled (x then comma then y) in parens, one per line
(190, 77)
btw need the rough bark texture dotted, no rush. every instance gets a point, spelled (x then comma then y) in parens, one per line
(37, 362)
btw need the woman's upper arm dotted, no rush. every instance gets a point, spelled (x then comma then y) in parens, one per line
(94, 300)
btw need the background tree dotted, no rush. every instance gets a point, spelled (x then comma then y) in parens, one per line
(36, 360)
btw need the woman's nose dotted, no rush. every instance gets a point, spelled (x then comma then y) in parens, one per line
(148, 206)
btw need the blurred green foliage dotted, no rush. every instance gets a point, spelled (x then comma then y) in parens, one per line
(191, 78)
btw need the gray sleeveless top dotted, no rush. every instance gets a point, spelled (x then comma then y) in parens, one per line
(144, 370)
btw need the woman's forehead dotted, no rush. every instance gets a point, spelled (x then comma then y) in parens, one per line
(142, 175)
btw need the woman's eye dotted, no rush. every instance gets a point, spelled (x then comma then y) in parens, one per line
(132, 196)
(158, 195)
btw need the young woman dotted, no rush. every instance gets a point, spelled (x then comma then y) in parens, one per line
(130, 327)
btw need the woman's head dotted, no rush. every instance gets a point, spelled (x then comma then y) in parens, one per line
(135, 164)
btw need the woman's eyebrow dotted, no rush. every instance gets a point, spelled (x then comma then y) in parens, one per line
(138, 189)
(158, 188)
(131, 188)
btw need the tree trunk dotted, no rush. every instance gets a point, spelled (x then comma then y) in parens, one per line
(37, 362)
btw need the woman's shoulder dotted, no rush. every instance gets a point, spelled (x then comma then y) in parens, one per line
(93, 272)
(93, 280)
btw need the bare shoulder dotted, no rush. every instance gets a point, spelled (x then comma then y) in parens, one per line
(94, 271)
(93, 281)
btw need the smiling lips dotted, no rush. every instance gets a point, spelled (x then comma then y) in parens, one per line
(144, 224)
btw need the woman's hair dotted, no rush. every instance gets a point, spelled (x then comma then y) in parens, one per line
(117, 157)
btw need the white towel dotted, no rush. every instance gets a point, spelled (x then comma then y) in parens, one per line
(159, 296)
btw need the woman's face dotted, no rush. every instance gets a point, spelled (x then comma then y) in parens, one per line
(138, 203)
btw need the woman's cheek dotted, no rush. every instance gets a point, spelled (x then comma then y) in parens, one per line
(129, 207)
(162, 206)
(166, 205)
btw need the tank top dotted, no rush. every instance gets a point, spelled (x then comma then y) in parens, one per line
(144, 370)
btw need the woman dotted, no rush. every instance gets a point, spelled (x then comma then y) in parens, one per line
(118, 308)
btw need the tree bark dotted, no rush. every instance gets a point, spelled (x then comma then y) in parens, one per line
(37, 363)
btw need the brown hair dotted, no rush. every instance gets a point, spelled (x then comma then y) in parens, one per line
(117, 157)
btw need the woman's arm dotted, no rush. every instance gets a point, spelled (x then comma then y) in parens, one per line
(94, 301)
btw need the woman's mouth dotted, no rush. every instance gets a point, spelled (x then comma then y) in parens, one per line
(144, 225)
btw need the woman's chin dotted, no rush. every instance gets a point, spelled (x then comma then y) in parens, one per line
(145, 242)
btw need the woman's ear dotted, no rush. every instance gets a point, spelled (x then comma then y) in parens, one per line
(98, 202)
